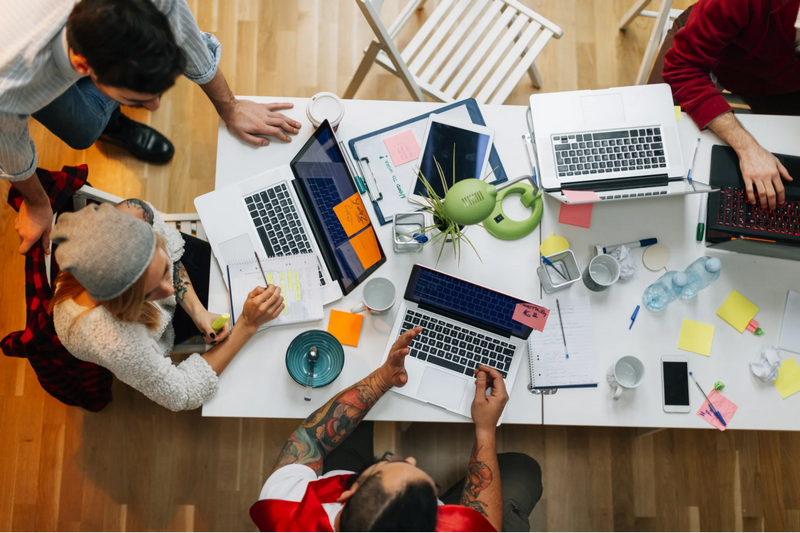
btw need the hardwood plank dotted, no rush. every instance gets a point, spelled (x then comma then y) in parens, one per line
(770, 452)
(51, 463)
(644, 491)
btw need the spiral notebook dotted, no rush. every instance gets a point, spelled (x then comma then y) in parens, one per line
(547, 358)
(297, 277)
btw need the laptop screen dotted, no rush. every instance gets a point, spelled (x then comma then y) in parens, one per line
(335, 210)
(465, 301)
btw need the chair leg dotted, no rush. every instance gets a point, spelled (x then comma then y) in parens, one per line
(662, 19)
(632, 13)
(363, 68)
(536, 78)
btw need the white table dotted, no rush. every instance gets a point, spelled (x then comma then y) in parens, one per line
(673, 221)
(256, 383)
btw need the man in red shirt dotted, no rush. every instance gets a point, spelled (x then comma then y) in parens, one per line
(310, 490)
(749, 47)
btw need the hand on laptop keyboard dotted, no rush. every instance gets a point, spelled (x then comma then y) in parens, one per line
(486, 410)
(393, 372)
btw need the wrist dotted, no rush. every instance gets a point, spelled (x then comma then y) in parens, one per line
(383, 384)
(245, 327)
(485, 435)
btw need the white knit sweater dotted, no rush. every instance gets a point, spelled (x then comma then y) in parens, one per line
(136, 355)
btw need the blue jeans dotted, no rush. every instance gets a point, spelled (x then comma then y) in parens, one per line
(79, 116)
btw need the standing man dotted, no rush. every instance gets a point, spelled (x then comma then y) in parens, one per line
(326, 479)
(70, 65)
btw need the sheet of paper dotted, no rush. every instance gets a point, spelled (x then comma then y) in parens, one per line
(548, 356)
(346, 327)
(581, 196)
(678, 113)
(737, 311)
(790, 332)
(403, 147)
(366, 246)
(576, 215)
(696, 337)
(534, 316)
(723, 405)
(788, 381)
(352, 214)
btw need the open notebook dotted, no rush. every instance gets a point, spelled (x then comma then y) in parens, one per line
(297, 277)
(549, 366)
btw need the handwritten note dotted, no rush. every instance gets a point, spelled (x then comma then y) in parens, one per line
(576, 215)
(403, 147)
(788, 381)
(737, 311)
(533, 316)
(581, 196)
(346, 327)
(352, 214)
(366, 247)
(696, 337)
(724, 406)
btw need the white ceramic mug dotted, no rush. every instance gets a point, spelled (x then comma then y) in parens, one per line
(627, 373)
(601, 273)
(378, 296)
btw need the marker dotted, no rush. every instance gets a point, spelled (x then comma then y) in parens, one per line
(689, 172)
(701, 217)
(713, 409)
(420, 238)
(635, 244)
(262, 270)
(633, 316)
(220, 322)
(561, 323)
(550, 264)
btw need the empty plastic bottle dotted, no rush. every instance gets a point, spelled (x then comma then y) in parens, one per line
(702, 273)
(664, 291)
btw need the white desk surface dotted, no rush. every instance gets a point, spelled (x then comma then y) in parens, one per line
(256, 383)
(673, 221)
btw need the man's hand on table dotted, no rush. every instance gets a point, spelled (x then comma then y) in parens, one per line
(486, 410)
(762, 173)
(247, 120)
(393, 371)
(34, 221)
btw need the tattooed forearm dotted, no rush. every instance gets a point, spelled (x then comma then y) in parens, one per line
(142, 209)
(181, 282)
(327, 427)
(479, 477)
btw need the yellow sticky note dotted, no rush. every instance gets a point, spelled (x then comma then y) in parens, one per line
(352, 214)
(283, 292)
(678, 113)
(737, 311)
(696, 337)
(296, 276)
(346, 327)
(553, 244)
(366, 246)
(788, 381)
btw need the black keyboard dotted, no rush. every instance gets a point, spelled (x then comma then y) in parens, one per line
(278, 225)
(735, 211)
(457, 348)
(609, 151)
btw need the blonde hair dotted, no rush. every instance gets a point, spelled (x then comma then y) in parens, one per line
(130, 306)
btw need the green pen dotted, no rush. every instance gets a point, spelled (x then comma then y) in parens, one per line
(701, 219)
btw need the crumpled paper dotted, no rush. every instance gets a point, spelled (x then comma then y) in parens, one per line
(766, 366)
(627, 264)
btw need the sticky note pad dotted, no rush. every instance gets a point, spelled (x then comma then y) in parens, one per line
(576, 215)
(346, 327)
(788, 381)
(737, 311)
(534, 316)
(581, 196)
(724, 406)
(366, 246)
(696, 337)
(403, 147)
(678, 113)
(352, 214)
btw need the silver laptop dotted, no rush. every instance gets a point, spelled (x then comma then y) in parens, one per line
(620, 143)
(463, 325)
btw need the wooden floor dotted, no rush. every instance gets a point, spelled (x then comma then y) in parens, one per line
(136, 466)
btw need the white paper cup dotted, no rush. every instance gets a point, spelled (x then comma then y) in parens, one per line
(325, 106)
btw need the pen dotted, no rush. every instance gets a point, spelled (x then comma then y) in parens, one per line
(701, 217)
(266, 284)
(633, 316)
(550, 264)
(561, 323)
(635, 244)
(713, 409)
(694, 156)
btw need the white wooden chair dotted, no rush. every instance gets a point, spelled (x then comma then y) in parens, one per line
(466, 48)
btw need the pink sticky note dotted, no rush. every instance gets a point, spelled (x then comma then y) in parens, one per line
(581, 196)
(576, 215)
(534, 316)
(725, 407)
(402, 147)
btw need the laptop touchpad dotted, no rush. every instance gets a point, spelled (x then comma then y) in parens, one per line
(602, 109)
(441, 388)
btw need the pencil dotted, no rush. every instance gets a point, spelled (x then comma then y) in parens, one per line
(266, 284)
(561, 323)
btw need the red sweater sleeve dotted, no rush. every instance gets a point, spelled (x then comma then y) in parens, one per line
(711, 27)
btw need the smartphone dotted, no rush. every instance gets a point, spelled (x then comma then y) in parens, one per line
(675, 383)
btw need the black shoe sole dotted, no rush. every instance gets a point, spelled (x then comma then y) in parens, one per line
(141, 156)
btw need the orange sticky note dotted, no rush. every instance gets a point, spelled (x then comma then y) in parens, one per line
(346, 327)
(366, 246)
(352, 214)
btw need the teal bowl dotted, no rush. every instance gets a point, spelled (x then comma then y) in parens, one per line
(329, 365)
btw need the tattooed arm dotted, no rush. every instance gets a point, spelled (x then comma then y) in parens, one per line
(329, 425)
(482, 490)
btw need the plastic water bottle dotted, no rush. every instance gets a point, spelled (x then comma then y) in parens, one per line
(665, 291)
(702, 273)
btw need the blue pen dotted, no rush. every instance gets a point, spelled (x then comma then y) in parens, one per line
(642, 243)
(550, 264)
(561, 323)
(713, 409)
(694, 156)
(633, 316)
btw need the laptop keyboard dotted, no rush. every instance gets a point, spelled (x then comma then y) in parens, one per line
(278, 225)
(457, 348)
(609, 151)
(327, 197)
(735, 211)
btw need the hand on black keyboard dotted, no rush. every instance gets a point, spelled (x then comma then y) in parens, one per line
(393, 371)
(762, 173)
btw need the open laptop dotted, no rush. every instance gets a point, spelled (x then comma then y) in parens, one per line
(463, 325)
(621, 143)
(289, 210)
(734, 224)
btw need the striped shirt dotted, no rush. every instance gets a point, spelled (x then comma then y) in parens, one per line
(35, 67)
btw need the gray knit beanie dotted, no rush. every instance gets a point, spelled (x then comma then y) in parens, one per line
(106, 250)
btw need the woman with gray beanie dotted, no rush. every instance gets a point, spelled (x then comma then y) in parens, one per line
(122, 276)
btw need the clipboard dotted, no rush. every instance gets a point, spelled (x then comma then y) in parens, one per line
(386, 184)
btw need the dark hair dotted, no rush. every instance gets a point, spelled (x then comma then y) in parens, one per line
(127, 43)
(371, 508)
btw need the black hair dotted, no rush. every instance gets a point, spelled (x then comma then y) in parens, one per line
(127, 43)
(371, 508)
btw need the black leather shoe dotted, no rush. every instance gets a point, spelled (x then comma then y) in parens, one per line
(142, 141)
